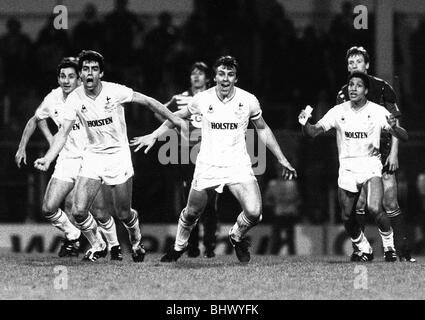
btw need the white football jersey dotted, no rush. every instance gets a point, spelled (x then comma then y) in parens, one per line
(53, 106)
(358, 132)
(224, 126)
(102, 117)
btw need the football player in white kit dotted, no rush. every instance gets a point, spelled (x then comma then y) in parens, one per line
(99, 107)
(358, 125)
(60, 187)
(223, 159)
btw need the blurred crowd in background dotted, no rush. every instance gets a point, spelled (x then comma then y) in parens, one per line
(285, 67)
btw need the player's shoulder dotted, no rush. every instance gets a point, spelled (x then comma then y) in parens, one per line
(54, 95)
(342, 106)
(377, 107)
(243, 93)
(380, 82)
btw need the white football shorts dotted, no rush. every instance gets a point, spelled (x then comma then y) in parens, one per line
(111, 169)
(67, 169)
(209, 176)
(353, 179)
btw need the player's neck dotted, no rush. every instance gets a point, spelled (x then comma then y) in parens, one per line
(359, 104)
(196, 90)
(225, 97)
(93, 93)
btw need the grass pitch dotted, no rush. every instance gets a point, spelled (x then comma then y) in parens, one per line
(32, 276)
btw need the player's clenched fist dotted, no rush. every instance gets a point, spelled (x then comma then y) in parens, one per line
(42, 164)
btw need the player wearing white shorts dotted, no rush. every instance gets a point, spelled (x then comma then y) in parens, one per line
(107, 159)
(358, 125)
(60, 187)
(223, 159)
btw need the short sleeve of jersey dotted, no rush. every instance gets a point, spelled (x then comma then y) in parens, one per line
(390, 100)
(383, 119)
(71, 105)
(329, 119)
(255, 111)
(42, 111)
(194, 105)
(122, 93)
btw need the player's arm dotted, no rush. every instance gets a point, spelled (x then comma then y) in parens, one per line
(266, 135)
(159, 108)
(395, 129)
(42, 125)
(168, 104)
(21, 155)
(58, 143)
(312, 130)
(150, 139)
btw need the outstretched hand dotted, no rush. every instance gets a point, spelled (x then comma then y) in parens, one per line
(392, 121)
(288, 172)
(21, 156)
(147, 140)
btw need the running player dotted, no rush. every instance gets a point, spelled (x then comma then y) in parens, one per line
(358, 125)
(223, 159)
(60, 186)
(99, 107)
(199, 80)
(381, 93)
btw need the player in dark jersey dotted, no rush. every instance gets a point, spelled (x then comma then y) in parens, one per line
(382, 93)
(199, 80)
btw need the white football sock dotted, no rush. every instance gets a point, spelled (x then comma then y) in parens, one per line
(109, 230)
(387, 239)
(184, 229)
(61, 221)
(362, 243)
(89, 228)
(133, 229)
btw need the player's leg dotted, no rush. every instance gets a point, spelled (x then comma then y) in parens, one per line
(249, 197)
(209, 222)
(347, 201)
(374, 193)
(56, 192)
(361, 209)
(86, 190)
(103, 211)
(392, 208)
(122, 197)
(187, 220)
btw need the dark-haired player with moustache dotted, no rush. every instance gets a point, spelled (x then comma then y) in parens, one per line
(99, 107)
(358, 125)
(223, 159)
(199, 81)
(61, 185)
(381, 93)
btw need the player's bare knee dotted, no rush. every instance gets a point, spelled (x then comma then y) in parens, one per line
(253, 213)
(374, 210)
(48, 208)
(191, 214)
(79, 213)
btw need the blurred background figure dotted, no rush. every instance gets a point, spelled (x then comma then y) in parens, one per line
(282, 202)
(88, 31)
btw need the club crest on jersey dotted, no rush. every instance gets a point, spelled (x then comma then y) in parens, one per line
(342, 119)
(55, 113)
(239, 112)
(83, 109)
(107, 99)
(210, 109)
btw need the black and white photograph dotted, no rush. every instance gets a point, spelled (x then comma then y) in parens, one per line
(212, 158)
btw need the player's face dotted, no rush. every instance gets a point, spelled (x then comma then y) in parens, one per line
(356, 89)
(198, 78)
(225, 79)
(68, 79)
(356, 63)
(90, 74)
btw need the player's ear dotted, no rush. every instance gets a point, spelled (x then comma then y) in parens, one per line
(367, 66)
(366, 91)
(101, 75)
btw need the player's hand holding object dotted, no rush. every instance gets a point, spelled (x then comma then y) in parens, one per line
(304, 115)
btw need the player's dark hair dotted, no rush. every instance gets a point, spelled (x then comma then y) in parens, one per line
(354, 51)
(68, 62)
(361, 75)
(226, 61)
(90, 55)
(201, 66)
